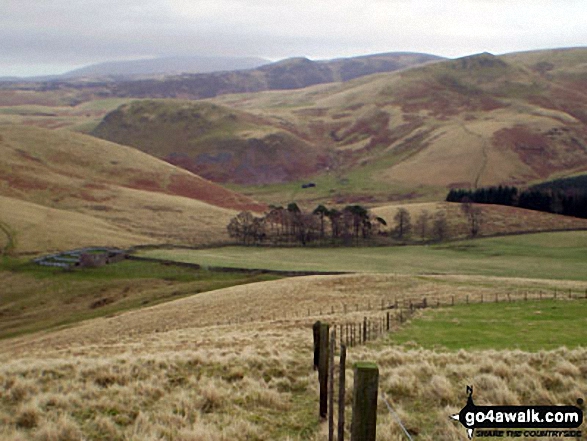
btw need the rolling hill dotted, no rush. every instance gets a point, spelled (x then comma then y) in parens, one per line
(216, 142)
(475, 121)
(76, 190)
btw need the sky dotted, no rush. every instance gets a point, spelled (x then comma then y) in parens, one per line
(41, 37)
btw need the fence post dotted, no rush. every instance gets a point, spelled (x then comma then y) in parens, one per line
(316, 333)
(387, 318)
(341, 392)
(323, 369)
(331, 387)
(364, 329)
(366, 385)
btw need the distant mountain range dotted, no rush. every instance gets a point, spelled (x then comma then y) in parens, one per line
(149, 68)
(164, 66)
(108, 80)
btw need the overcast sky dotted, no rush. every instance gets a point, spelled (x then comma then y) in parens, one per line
(54, 36)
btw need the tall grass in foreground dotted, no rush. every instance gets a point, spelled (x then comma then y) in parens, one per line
(257, 383)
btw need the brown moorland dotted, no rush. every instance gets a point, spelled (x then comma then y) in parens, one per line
(105, 187)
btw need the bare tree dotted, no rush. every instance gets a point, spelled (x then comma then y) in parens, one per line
(440, 226)
(474, 216)
(403, 223)
(422, 224)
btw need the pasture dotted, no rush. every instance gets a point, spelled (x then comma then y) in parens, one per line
(561, 255)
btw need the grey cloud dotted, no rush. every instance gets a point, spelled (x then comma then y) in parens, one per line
(86, 31)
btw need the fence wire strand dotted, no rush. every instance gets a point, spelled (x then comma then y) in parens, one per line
(395, 415)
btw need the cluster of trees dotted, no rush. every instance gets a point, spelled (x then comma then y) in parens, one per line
(323, 226)
(292, 225)
(569, 201)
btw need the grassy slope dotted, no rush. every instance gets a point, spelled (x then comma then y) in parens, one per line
(40, 298)
(109, 184)
(546, 255)
(496, 219)
(82, 117)
(33, 228)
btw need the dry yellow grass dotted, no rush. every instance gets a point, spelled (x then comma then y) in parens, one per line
(169, 373)
(127, 378)
(92, 192)
(35, 229)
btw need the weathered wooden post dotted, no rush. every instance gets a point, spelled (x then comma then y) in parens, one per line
(366, 385)
(452, 300)
(387, 323)
(331, 387)
(341, 392)
(323, 368)
(364, 329)
(316, 333)
(481, 297)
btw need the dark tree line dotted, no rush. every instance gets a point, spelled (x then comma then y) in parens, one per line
(569, 201)
(290, 225)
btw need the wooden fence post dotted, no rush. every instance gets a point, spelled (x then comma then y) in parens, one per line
(323, 368)
(387, 325)
(331, 387)
(316, 333)
(364, 329)
(365, 390)
(341, 392)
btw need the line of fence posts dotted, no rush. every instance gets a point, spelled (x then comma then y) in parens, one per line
(410, 305)
(366, 374)
(365, 388)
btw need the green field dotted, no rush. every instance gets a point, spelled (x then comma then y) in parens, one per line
(543, 256)
(528, 326)
(36, 298)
